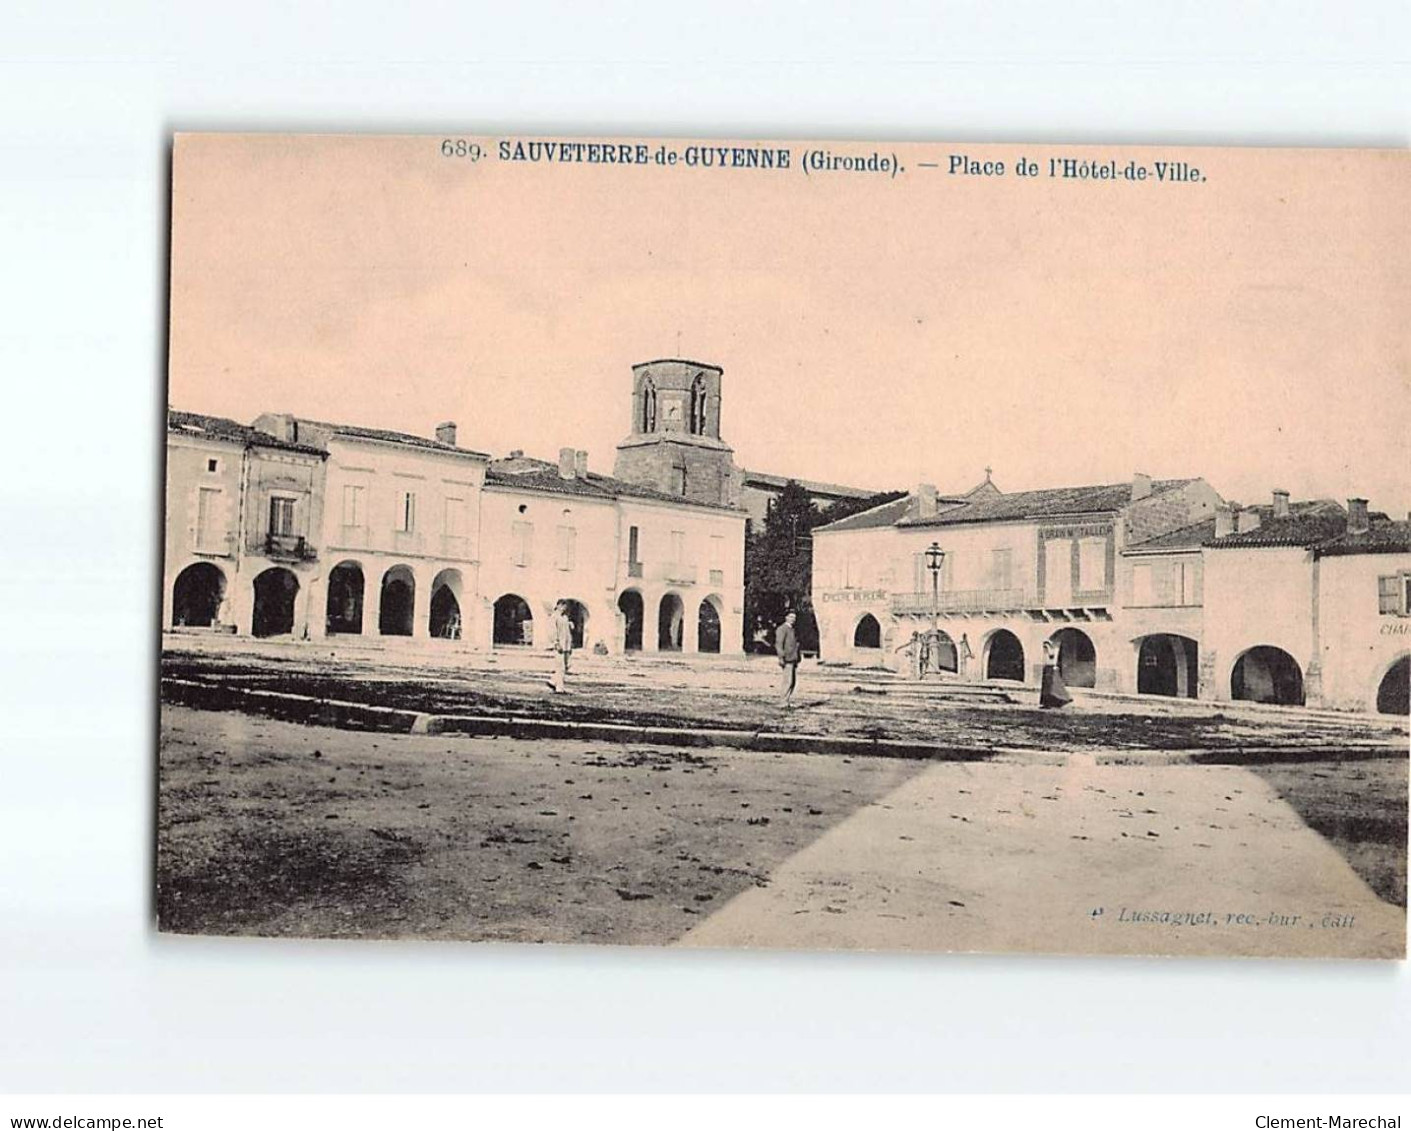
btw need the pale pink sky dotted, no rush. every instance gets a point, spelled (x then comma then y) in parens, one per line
(1254, 329)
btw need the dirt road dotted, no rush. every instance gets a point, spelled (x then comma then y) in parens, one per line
(271, 828)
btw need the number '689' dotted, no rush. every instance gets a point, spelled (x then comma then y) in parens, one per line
(459, 147)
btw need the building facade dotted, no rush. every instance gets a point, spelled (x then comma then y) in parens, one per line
(243, 533)
(1307, 603)
(1152, 588)
(312, 530)
(640, 570)
(1014, 571)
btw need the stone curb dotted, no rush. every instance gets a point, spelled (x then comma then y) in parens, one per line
(345, 715)
(364, 717)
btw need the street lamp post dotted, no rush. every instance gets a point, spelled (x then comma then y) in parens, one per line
(935, 558)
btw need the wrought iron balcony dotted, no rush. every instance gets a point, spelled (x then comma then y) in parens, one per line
(289, 547)
(634, 569)
(963, 601)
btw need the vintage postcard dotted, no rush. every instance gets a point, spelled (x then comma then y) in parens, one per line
(787, 544)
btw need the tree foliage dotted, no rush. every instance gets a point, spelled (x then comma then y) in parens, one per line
(779, 558)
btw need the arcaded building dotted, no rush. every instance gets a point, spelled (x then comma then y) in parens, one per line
(244, 514)
(312, 530)
(1016, 570)
(1308, 603)
(1149, 587)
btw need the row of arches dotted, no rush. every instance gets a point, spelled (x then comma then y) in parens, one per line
(1167, 665)
(396, 606)
(514, 622)
(1002, 653)
(670, 622)
(199, 595)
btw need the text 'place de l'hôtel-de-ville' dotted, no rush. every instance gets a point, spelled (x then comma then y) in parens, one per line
(308, 530)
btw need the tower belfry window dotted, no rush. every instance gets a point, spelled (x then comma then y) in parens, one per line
(698, 407)
(649, 406)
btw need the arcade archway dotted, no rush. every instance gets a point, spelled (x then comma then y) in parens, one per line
(708, 626)
(398, 607)
(197, 595)
(629, 604)
(1169, 665)
(671, 617)
(445, 617)
(344, 611)
(1394, 692)
(514, 621)
(275, 590)
(867, 633)
(1077, 657)
(1004, 656)
(1265, 674)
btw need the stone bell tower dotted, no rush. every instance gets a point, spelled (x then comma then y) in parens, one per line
(675, 445)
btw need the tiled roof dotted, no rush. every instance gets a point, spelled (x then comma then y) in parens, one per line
(1320, 525)
(1186, 538)
(528, 474)
(887, 514)
(220, 428)
(1306, 524)
(1380, 538)
(1052, 502)
(765, 479)
(383, 435)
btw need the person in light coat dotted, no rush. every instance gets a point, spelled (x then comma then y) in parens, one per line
(562, 638)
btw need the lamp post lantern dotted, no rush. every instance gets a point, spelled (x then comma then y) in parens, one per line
(935, 558)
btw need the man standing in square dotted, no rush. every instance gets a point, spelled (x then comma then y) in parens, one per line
(786, 645)
(563, 645)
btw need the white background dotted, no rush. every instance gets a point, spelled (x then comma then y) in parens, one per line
(91, 999)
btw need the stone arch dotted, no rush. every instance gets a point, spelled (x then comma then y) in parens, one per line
(629, 604)
(197, 596)
(343, 613)
(397, 610)
(1265, 674)
(275, 590)
(445, 620)
(1003, 656)
(708, 624)
(1168, 664)
(867, 632)
(671, 620)
(1394, 688)
(514, 621)
(1077, 657)
(945, 656)
(577, 617)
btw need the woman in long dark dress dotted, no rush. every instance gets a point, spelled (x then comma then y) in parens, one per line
(1052, 690)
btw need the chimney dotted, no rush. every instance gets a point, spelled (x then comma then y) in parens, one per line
(1141, 486)
(580, 464)
(280, 425)
(566, 459)
(446, 432)
(1224, 520)
(518, 453)
(1357, 522)
(1281, 503)
(1246, 520)
(926, 500)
